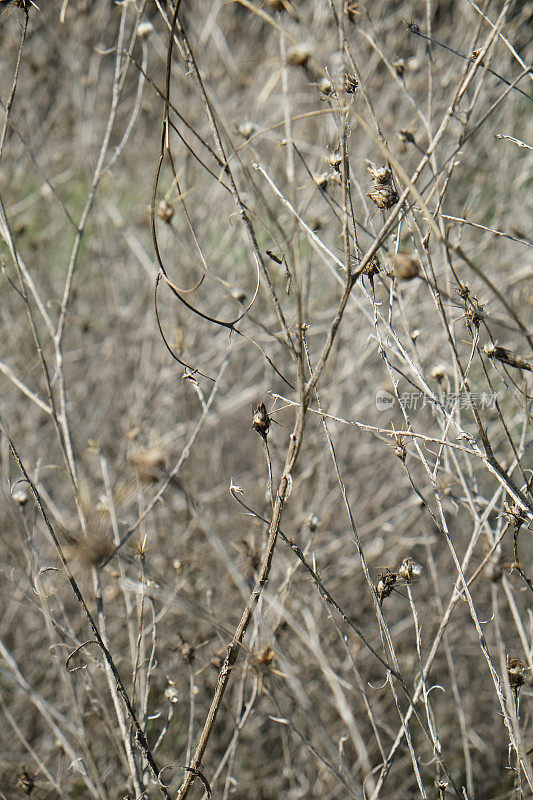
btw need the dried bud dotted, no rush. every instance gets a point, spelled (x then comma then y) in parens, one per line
(261, 420)
(165, 211)
(406, 136)
(406, 267)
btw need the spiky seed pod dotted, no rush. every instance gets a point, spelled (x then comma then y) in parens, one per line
(261, 420)
(406, 267)
(165, 211)
(516, 672)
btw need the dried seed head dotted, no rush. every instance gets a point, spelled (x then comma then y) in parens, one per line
(383, 193)
(299, 56)
(275, 5)
(186, 650)
(335, 159)
(238, 295)
(409, 569)
(514, 514)
(171, 693)
(91, 550)
(350, 83)
(25, 781)
(246, 129)
(516, 672)
(313, 522)
(165, 211)
(261, 420)
(385, 585)
(438, 373)
(326, 87)
(19, 493)
(351, 9)
(406, 267)
(493, 570)
(399, 66)
(149, 464)
(322, 180)
(505, 356)
(406, 136)
(144, 30)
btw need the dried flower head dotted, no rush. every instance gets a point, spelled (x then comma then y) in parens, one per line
(261, 420)
(383, 193)
(406, 267)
